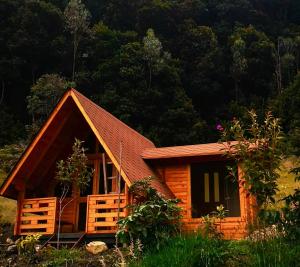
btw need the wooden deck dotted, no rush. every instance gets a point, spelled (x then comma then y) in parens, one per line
(39, 215)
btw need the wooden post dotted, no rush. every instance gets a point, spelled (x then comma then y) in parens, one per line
(21, 196)
(126, 199)
(104, 173)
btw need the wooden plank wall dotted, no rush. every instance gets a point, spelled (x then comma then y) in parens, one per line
(177, 177)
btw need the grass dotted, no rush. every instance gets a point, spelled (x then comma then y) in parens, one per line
(196, 251)
(7, 206)
(286, 182)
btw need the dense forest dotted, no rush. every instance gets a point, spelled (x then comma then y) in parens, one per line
(171, 69)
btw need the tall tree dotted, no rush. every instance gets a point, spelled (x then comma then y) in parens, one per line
(77, 20)
(239, 63)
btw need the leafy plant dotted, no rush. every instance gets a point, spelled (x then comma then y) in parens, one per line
(152, 219)
(73, 171)
(26, 245)
(257, 151)
(209, 227)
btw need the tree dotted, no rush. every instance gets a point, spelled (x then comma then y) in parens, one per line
(156, 110)
(44, 95)
(258, 152)
(77, 19)
(286, 106)
(152, 53)
(239, 63)
(72, 172)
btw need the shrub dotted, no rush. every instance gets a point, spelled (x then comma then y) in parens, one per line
(258, 152)
(153, 219)
(26, 245)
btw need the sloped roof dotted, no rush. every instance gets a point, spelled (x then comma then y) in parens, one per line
(110, 132)
(183, 151)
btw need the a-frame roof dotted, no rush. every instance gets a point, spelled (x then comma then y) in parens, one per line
(111, 133)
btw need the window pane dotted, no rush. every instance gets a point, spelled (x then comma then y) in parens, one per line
(216, 187)
(206, 187)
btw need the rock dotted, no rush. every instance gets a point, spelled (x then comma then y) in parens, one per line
(12, 249)
(96, 247)
(9, 241)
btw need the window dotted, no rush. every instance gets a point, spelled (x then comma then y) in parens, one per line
(211, 187)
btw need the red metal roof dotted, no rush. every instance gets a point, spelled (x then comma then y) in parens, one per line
(184, 151)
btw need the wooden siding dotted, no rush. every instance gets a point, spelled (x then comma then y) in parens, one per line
(177, 177)
(37, 215)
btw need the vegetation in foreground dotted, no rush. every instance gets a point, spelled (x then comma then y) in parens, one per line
(180, 251)
(200, 251)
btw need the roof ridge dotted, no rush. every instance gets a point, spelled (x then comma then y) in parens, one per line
(111, 115)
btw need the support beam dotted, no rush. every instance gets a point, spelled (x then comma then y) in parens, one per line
(104, 172)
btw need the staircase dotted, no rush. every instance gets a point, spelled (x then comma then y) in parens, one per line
(70, 240)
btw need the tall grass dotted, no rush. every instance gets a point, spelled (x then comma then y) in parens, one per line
(274, 253)
(196, 251)
(187, 251)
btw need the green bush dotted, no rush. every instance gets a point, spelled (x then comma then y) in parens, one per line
(152, 220)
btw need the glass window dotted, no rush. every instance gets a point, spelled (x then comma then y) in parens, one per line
(211, 186)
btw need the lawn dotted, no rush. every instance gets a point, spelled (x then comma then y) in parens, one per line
(7, 206)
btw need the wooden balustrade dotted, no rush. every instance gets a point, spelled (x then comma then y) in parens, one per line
(37, 215)
(102, 213)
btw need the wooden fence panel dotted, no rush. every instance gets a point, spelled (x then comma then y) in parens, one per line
(38, 215)
(102, 213)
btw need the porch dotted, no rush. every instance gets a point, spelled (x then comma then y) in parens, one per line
(99, 215)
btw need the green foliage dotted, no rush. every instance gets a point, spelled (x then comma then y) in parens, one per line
(152, 219)
(291, 211)
(9, 155)
(198, 251)
(200, 47)
(77, 19)
(62, 257)
(187, 251)
(258, 152)
(26, 245)
(43, 97)
(74, 170)
(275, 253)
(209, 226)
(286, 105)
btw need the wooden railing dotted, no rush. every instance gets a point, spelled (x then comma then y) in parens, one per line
(37, 215)
(102, 213)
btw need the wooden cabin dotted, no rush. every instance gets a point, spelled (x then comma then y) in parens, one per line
(195, 174)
